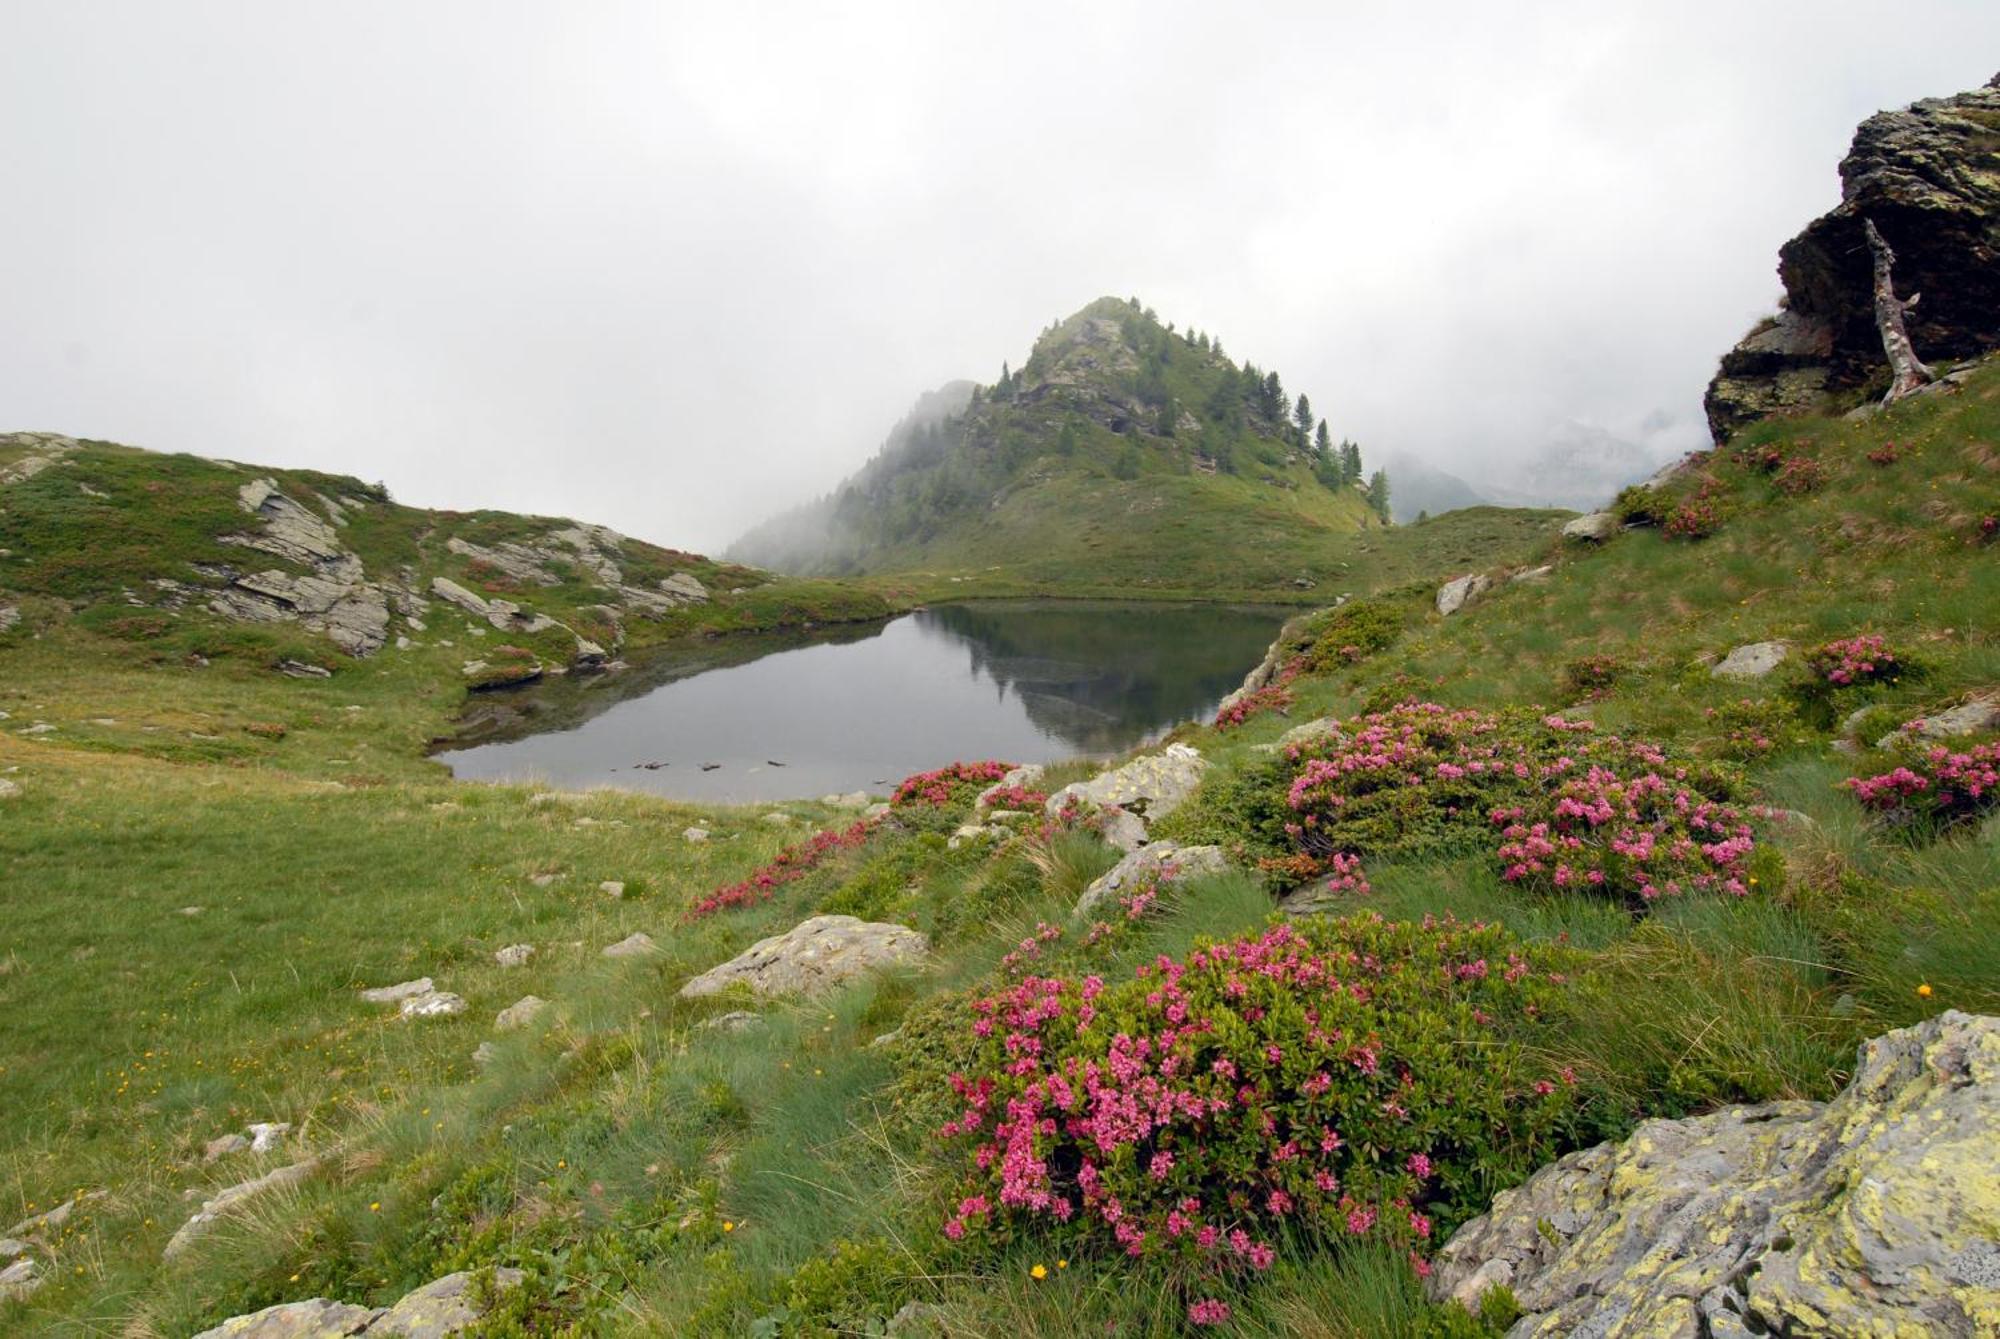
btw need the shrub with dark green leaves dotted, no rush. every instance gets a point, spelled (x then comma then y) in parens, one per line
(1359, 1077)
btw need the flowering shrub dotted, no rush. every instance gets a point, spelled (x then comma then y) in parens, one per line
(1886, 454)
(1800, 475)
(1989, 529)
(1748, 728)
(948, 787)
(1946, 786)
(1359, 1076)
(1355, 631)
(1639, 505)
(1014, 797)
(1854, 660)
(1696, 518)
(1275, 697)
(1571, 809)
(794, 862)
(1591, 676)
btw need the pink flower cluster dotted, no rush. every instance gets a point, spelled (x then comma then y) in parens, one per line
(1947, 785)
(1199, 1107)
(1854, 660)
(794, 862)
(1572, 809)
(1275, 697)
(947, 786)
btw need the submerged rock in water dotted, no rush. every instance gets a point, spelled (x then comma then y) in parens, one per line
(1877, 1213)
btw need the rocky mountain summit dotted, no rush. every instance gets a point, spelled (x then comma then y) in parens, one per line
(1928, 177)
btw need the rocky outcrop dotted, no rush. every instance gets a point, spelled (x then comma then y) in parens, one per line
(1751, 662)
(439, 1308)
(43, 449)
(1976, 716)
(1877, 1213)
(1166, 860)
(1925, 176)
(813, 956)
(332, 596)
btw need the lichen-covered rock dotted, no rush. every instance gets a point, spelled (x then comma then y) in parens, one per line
(439, 1308)
(1147, 861)
(1751, 662)
(515, 955)
(1924, 175)
(1454, 595)
(1877, 1213)
(432, 1004)
(1976, 717)
(1021, 777)
(436, 1310)
(315, 1318)
(812, 956)
(1152, 786)
(1595, 528)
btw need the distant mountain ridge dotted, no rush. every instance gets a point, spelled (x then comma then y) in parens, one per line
(1122, 452)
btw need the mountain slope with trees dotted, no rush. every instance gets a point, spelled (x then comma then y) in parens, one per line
(1122, 453)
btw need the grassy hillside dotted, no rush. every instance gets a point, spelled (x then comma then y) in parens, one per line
(1122, 454)
(654, 1175)
(166, 562)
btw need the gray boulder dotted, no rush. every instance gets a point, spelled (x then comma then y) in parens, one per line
(316, 1318)
(519, 1014)
(8, 789)
(1145, 863)
(514, 955)
(1877, 1213)
(812, 956)
(1021, 776)
(1595, 528)
(1453, 596)
(10, 617)
(1751, 662)
(638, 944)
(399, 992)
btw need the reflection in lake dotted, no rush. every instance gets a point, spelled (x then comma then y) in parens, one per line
(747, 719)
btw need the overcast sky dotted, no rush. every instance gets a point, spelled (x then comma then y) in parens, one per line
(672, 267)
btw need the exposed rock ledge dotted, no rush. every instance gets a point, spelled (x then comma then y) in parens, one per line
(1877, 1213)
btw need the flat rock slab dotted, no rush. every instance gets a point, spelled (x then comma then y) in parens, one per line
(224, 1202)
(813, 956)
(1160, 859)
(396, 994)
(1751, 662)
(316, 1318)
(1876, 1213)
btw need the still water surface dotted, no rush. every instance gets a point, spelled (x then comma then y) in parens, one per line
(858, 709)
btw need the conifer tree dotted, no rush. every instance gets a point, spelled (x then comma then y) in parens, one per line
(1323, 443)
(1302, 415)
(1350, 464)
(1378, 494)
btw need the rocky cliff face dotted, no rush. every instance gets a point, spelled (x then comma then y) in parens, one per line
(1929, 177)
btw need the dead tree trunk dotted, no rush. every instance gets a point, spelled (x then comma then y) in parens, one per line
(1907, 370)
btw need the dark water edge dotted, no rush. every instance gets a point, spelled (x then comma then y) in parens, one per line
(857, 707)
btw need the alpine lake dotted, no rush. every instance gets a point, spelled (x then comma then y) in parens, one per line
(758, 718)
